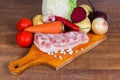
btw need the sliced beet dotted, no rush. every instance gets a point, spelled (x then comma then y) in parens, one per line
(78, 14)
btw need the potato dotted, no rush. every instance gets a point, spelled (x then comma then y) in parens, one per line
(87, 8)
(37, 20)
(84, 25)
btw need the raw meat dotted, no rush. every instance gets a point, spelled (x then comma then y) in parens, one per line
(55, 42)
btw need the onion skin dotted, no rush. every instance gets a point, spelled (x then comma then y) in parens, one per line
(99, 26)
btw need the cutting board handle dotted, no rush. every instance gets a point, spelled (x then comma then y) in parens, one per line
(18, 66)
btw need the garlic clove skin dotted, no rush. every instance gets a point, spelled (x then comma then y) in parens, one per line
(48, 18)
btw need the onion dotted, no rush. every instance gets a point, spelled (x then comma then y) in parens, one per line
(99, 26)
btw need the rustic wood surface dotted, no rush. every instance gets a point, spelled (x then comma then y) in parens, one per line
(100, 63)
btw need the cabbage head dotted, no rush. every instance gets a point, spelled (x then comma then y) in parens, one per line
(61, 8)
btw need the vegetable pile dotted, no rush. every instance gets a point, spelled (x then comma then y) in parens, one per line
(60, 16)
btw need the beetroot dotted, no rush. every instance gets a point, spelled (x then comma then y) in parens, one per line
(78, 14)
(96, 13)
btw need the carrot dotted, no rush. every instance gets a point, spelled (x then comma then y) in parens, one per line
(51, 27)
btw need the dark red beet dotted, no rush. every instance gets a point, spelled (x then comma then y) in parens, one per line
(78, 14)
(97, 14)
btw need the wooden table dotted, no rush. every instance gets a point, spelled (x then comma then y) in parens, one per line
(100, 63)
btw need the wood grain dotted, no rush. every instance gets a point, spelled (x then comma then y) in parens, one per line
(100, 63)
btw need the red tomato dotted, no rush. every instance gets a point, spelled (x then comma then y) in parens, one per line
(24, 38)
(23, 23)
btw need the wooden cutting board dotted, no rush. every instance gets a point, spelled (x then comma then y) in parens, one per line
(35, 56)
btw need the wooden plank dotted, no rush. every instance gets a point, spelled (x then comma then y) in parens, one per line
(100, 63)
